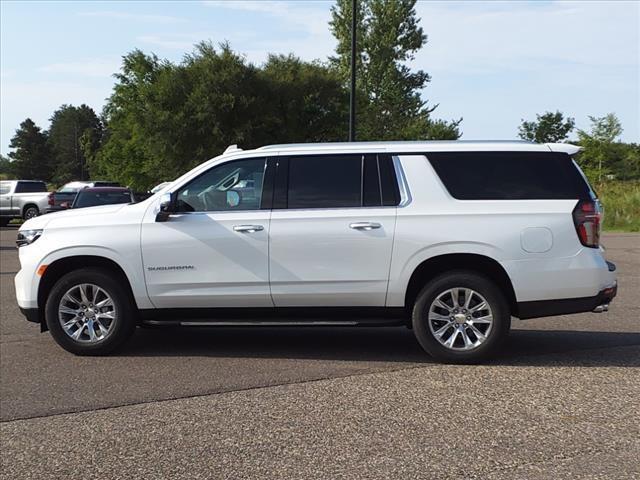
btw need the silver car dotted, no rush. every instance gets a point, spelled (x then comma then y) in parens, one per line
(22, 199)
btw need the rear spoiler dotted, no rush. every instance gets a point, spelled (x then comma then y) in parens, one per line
(563, 148)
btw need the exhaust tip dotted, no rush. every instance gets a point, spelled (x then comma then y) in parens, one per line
(601, 308)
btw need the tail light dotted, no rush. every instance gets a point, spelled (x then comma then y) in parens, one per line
(50, 200)
(587, 217)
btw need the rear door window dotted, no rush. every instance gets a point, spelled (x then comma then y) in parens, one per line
(325, 181)
(31, 187)
(335, 181)
(509, 175)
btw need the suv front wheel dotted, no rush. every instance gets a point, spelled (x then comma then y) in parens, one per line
(461, 317)
(89, 312)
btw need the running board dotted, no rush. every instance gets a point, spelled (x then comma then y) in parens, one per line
(275, 317)
(266, 324)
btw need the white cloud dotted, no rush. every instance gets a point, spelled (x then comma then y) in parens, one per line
(7, 73)
(496, 62)
(97, 67)
(290, 19)
(172, 42)
(133, 16)
(310, 16)
(503, 36)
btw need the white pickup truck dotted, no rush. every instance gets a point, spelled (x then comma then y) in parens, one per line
(22, 199)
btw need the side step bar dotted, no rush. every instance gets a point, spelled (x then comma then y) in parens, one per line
(267, 324)
(270, 323)
(275, 317)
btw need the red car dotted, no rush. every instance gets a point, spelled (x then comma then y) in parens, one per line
(94, 196)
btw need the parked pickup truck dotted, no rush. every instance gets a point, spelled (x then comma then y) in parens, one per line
(63, 198)
(22, 199)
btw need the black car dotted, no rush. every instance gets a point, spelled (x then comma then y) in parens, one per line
(92, 197)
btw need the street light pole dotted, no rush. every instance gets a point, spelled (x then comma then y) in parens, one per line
(352, 97)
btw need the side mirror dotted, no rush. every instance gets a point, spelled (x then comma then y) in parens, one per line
(166, 208)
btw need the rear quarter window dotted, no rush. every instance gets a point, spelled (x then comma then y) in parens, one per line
(509, 175)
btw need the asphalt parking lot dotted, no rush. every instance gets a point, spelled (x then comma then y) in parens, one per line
(562, 401)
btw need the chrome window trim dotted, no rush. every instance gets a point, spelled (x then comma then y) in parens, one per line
(405, 194)
(274, 210)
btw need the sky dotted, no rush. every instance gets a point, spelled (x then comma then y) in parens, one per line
(492, 63)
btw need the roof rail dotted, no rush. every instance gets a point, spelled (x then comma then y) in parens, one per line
(233, 148)
(381, 143)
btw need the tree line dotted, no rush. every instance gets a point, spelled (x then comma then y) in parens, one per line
(603, 155)
(163, 117)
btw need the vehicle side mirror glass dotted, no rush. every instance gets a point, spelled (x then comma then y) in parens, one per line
(166, 208)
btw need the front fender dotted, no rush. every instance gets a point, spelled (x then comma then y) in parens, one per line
(131, 267)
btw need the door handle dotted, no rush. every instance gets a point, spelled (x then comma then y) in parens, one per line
(364, 225)
(248, 228)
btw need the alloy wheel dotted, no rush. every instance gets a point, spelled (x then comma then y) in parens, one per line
(460, 319)
(87, 313)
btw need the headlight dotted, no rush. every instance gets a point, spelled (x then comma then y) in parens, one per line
(27, 237)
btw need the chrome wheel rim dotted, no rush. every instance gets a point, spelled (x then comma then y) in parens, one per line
(87, 313)
(460, 319)
(30, 213)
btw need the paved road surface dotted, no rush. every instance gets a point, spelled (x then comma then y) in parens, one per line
(561, 401)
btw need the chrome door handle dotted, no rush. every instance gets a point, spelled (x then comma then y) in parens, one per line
(248, 228)
(364, 225)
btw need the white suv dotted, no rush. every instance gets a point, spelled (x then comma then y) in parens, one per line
(452, 239)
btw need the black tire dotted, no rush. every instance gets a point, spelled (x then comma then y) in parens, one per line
(30, 211)
(461, 279)
(124, 322)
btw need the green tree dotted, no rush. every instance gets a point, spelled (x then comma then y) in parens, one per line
(69, 125)
(163, 118)
(549, 127)
(30, 158)
(600, 151)
(6, 168)
(388, 91)
(306, 102)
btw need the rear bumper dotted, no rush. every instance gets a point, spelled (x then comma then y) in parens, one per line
(565, 306)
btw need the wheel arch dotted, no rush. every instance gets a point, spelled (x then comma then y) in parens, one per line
(474, 262)
(64, 265)
(28, 205)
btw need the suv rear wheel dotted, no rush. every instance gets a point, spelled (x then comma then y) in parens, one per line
(89, 313)
(30, 212)
(461, 317)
